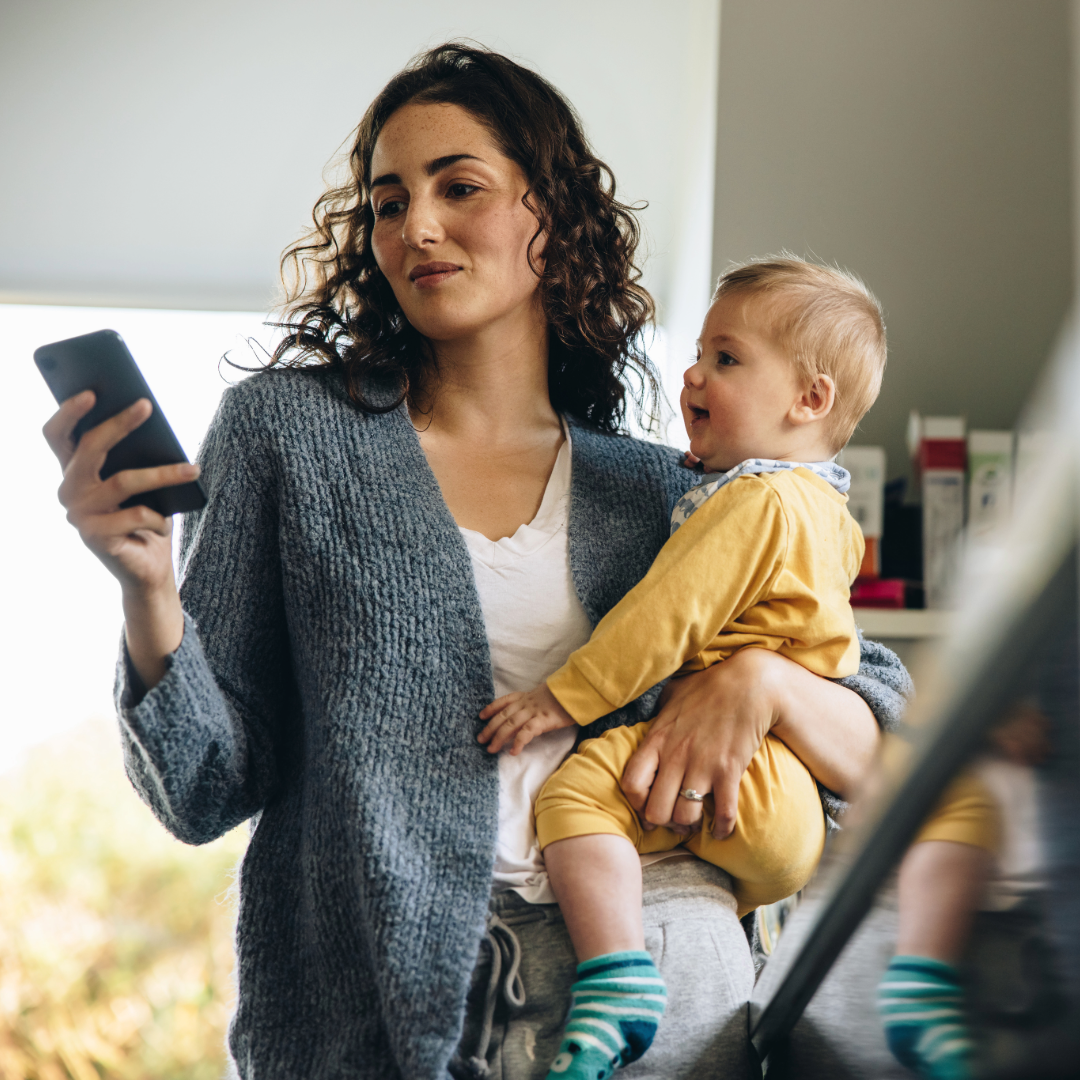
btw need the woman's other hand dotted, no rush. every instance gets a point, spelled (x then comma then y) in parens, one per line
(522, 717)
(134, 543)
(711, 723)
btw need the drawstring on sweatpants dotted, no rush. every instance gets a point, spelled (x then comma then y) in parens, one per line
(505, 952)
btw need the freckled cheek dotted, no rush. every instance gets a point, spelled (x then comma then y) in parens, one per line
(387, 253)
(510, 230)
(496, 239)
(388, 258)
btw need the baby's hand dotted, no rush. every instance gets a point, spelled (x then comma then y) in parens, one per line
(522, 717)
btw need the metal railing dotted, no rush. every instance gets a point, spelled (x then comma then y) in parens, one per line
(1010, 607)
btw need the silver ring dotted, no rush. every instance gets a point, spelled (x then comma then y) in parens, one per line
(691, 794)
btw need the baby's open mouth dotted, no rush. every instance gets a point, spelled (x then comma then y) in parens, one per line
(698, 414)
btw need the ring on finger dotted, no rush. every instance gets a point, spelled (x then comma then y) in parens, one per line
(690, 794)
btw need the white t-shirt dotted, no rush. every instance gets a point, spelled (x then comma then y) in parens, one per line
(534, 621)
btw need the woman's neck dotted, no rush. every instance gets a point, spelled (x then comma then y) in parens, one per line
(488, 429)
(493, 385)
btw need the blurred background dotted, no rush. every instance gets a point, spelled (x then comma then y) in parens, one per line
(157, 158)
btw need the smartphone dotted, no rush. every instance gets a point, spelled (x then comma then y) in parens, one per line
(101, 362)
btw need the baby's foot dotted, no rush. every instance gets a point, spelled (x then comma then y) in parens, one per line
(615, 1009)
(921, 1004)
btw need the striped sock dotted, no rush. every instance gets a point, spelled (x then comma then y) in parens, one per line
(921, 1004)
(615, 1008)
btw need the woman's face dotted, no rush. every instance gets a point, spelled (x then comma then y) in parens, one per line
(451, 234)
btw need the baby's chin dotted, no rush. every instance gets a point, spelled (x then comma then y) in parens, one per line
(712, 459)
(716, 465)
(711, 463)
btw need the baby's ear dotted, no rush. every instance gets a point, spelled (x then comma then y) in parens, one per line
(815, 402)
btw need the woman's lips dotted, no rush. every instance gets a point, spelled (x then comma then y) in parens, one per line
(428, 275)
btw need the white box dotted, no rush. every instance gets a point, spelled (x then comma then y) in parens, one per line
(990, 481)
(943, 523)
(942, 465)
(866, 497)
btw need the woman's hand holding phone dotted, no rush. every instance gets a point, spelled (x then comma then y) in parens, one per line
(134, 543)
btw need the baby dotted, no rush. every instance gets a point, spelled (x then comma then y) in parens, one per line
(762, 553)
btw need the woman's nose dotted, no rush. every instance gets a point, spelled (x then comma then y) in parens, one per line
(421, 227)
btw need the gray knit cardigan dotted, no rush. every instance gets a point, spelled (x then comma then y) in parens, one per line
(333, 665)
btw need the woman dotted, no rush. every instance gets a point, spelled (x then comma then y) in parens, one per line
(461, 316)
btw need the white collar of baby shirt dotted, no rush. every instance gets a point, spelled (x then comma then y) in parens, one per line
(708, 484)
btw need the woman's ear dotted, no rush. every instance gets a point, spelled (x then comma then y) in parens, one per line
(815, 402)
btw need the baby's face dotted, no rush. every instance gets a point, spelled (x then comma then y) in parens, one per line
(737, 397)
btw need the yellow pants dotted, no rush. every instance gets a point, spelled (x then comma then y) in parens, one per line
(779, 828)
(966, 814)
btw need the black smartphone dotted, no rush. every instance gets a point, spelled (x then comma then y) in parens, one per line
(101, 362)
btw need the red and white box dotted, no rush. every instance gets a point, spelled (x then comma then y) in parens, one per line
(941, 458)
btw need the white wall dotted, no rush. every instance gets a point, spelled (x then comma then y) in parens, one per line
(925, 145)
(163, 154)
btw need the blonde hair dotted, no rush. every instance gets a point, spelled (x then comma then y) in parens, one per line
(830, 324)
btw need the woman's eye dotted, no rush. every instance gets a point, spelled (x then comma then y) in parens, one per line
(459, 191)
(726, 360)
(389, 208)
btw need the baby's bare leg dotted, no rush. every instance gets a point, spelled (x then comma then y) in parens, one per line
(597, 881)
(941, 883)
(619, 996)
(590, 837)
(921, 998)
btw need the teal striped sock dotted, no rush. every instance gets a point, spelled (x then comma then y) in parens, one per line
(616, 1006)
(921, 1004)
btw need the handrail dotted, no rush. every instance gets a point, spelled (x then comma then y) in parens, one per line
(1010, 610)
(956, 736)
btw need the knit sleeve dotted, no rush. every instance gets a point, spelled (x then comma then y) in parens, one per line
(884, 684)
(207, 746)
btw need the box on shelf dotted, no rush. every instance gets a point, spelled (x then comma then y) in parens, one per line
(901, 541)
(941, 458)
(878, 593)
(866, 499)
(990, 479)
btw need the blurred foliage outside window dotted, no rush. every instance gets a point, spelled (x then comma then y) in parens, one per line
(116, 940)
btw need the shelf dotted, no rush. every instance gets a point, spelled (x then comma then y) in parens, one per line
(880, 623)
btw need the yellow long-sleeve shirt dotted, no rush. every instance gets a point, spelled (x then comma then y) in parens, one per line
(766, 561)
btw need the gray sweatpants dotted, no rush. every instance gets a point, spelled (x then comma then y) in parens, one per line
(694, 938)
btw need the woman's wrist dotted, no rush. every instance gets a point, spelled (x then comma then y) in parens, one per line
(829, 727)
(767, 678)
(777, 685)
(153, 629)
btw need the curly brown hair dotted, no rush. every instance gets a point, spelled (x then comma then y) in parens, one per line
(340, 311)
